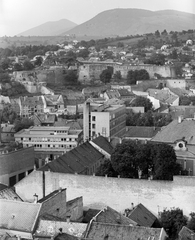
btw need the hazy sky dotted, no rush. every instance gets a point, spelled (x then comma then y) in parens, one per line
(17, 16)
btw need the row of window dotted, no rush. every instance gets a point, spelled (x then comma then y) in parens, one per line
(49, 139)
(50, 146)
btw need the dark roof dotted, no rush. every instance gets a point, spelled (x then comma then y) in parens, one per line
(65, 236)
(186, 234)
(103, 231)
(9, 194)
(103, 143)
(89, 214)
(3, 186)
(125, 92)
(52, 194)
(142, 216)
(141, 131)
(109, 215)
(76, 160)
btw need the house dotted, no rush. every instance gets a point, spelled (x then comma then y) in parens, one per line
(106, 120)
(7, 133)
(15, 103)
(185, 111)
(108, 215)
(31, 105)
(54, 103)
(142, 133)
(165, 96)
(186, 234)
(110, 93)
(126, 95)
(43, 119)
(16, 165)
(84, 159)
(101, 231)
(143, 217)
(49, 141)
(180, 135)
(102, 145)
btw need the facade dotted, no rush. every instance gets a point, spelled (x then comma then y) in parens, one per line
(53, 103)
(31, 105)
(49, 142)
(16, 165)
(102, 119)
(7, 133)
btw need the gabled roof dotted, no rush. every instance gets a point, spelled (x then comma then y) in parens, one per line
(54, 99)
(51, 195)
(141, 131)
(113, 93)
(103, 143)
(186, 234)
(116, 231)
(19, 216)
(9, 194)
(125, 92)
(31, 101)
(175, 130)
(109, 215)
(76, 160)
(142, 216)
(66, 236)
(89, 214)
(163, 95)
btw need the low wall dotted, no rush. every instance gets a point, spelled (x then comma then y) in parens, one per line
(117, 193)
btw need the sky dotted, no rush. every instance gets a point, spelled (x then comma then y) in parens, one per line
(17, 16)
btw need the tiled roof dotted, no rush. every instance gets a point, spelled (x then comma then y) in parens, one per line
(141, 132)
(31, 101)
(117, 231)
(103, 143)
(142, 216)
(113, 93)
(65, 236)
(163, 95)
(3, 186)
(9, 194)
(186, 234)
(89, 214)
(45, 118)
(16, 215)
(53, 99)
(125, 92)
(72, 228)
(109, 215)
(175, 131)
(52, 194)
(185, 111)
(76, 160)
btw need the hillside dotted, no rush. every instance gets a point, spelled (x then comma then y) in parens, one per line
(124, 22)
(50, 28)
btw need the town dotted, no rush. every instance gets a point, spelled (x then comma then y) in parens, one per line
(97, 137)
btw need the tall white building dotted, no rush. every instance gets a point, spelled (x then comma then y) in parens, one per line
(102, 119)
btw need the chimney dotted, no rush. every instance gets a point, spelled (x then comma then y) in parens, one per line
(68, 219)
(180, 118)
(60, 230)
(35, 198)
(60, 189)
(132, 206)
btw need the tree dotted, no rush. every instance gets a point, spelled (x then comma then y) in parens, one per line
(84, 53)
(106, 75)
(8, 114)
(191, 222)
(174, 54)
(164, 32)
(158, 160)
(157, 33)
(38, 61)
(23, 123)
(142, 102)
(106, 169)
(134, 75)
(157, 59)
(164, 162)
(172, 221)
(117, 75)
(27, 65)
(18, 67)
(71, 77)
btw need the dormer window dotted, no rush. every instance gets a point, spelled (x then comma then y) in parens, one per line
(180, 145)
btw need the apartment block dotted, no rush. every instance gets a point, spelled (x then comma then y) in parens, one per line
(49, 142)
(103, 119)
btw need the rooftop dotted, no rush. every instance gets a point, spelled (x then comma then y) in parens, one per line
(103, 143)
(175, 131)
(141, 131)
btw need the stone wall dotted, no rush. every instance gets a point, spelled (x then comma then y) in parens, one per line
(117, 193)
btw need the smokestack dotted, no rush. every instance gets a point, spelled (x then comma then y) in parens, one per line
(43, 175)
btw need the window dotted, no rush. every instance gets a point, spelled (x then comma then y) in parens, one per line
(93, 125)
(21, 176)
(12, 181)
(93, 118)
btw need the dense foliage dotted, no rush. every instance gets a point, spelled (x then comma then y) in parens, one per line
(131, 157)
(148, 119)
(172, 221)
(142, 102)
(106, 75)
(135, 75)
(23, 123)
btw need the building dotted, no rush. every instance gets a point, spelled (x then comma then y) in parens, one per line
(180, 135)
(7, 133)
(16, 165)
(84, 159)
(49, 142)
(31, 105)
(54, 103)
(102, 119)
